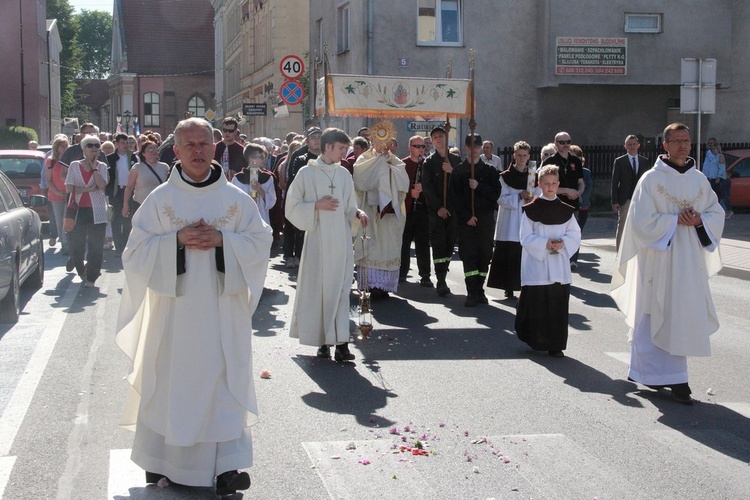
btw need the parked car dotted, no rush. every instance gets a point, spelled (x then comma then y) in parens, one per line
(21, 248)
(24, 168)
(738, 170)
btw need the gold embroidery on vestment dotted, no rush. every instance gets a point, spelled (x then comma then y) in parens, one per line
(680, 204)
(217, 223)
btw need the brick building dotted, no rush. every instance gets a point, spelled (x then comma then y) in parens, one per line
(162, 62)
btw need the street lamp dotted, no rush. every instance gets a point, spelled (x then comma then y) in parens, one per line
(125, 119)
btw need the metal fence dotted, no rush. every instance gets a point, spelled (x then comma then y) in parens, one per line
(599, 159)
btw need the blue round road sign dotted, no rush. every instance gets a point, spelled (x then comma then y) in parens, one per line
(292, 92)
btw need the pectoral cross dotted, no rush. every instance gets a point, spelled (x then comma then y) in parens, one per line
(332, 186)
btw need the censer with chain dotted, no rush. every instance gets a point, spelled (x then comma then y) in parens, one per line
(364, 323)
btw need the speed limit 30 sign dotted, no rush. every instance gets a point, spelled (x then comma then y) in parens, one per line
(291, 67)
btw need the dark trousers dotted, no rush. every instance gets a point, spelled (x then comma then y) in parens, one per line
(475, 246)
(417, 229)
(293, 240)
(87, 240)
(442, 240)
(121, 226)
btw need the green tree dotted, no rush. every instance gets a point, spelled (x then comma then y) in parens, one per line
(70, 57)
(95, 39)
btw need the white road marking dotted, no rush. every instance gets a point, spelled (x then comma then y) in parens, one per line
(19, 403)
(75, 438)
(6, 465)
(620, 356)
(123, 474)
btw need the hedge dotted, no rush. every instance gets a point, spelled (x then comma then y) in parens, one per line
(17, 137)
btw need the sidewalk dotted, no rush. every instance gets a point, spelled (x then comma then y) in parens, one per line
(735, 244)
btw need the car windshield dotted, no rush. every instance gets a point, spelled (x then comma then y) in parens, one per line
(21, 168)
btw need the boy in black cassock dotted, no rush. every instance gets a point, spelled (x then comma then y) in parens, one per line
(475, 229)
(549, 236)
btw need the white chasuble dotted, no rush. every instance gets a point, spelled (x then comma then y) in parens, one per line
(662, 268)
(189, 335)
(321, 304)
(381, 180)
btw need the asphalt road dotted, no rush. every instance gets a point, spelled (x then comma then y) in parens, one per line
(497, 420)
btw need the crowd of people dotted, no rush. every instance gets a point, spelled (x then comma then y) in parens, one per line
(195, 217)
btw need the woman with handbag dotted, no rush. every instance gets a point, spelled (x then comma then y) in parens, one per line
(86, 181)
(144, 177)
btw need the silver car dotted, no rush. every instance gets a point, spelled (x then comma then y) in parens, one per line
(21, 248)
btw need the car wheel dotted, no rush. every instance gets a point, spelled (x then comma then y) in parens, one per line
(36, 279)
(9, 305)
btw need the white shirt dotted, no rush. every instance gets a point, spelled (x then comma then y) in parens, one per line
(123, 169)
(493, 160)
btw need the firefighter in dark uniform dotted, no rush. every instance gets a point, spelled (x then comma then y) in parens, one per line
(475, 231)
(442, 221)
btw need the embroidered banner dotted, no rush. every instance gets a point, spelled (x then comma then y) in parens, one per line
(385, 96)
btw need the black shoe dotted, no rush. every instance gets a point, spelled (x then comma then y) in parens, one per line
(342, 353)
(681, 394)
(482, 298)
(229, 482)
(442, 288)
(509, 294)
(402, 279)
(70, 265)
(425, 282)
(154, 477)
(471, 301)
(557, 354)
(324, 352)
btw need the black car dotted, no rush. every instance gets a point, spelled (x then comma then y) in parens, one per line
(21, 248)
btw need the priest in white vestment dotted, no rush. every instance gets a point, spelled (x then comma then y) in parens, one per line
(381, 183)
(321, 202)
(194, 266)
(667, 253)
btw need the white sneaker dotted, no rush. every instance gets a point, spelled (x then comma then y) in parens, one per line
(89, 284)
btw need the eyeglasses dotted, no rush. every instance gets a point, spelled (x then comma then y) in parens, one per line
(678, 142)
(229, 131)
(151, 149)
(91, 145)
(564, 142)
(419, 146)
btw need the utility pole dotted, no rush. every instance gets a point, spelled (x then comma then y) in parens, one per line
(23, 96)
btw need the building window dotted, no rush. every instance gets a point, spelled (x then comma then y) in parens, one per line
(151, 109)
(439, 22)
(197, 107)
(342, 28)
(643, 23)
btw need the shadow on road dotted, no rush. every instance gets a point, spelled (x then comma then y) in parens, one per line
(345, 391)
(710, 424)
(587, 379)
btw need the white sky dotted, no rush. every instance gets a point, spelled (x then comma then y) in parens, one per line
(105, 5)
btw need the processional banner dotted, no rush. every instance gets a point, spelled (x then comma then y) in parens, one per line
(385, 96)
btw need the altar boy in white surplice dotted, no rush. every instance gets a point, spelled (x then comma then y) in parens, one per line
(194, 266)
(667, 253)
(321, 202)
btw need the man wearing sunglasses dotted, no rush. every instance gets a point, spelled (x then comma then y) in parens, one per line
(75, 152)
(417, 226)
(228, 151)
(571, 174)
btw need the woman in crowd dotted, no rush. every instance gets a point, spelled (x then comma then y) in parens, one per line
(144, 177)
(262, 190)
(547, 151)
(86, 180)
(505, 272)
(55, 174)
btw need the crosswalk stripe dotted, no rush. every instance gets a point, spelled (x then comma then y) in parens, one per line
(620, 356)
(123, 474)
(6, 466)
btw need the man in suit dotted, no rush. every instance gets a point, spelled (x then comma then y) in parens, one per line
(119, 163)
(627, 170)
